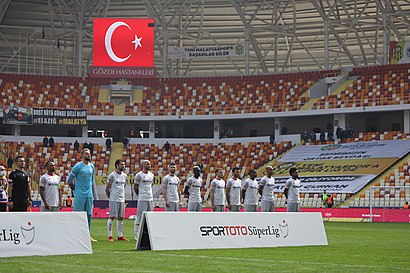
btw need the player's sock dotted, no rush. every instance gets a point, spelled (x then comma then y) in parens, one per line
(120, 226)
(109, 226)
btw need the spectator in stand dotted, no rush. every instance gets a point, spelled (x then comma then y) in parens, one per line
(108, 143)
(91, 147)
(272, 139)
(19, 188)
(330, 135)
(76, 145)
(10, 162)
(305, 137)
(69, 202)
(313, 136)
(322, 136)
(167, 146)
(51, 142)
(125, 141)
(324, 198)
(406, 205)
(85, 145)
(3, 189)
(45, 141)
(329, 200)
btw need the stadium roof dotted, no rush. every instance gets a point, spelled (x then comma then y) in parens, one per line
(56, 36)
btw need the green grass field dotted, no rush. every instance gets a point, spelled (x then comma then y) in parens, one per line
(353, 247)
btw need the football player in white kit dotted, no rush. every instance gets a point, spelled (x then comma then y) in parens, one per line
(217, 192)
(170, 189)
(50, 189)
(143, 188)
(291, 191)
(233, 191)
(115, 190)
(266, 187)
(250, 193)
(193, 190)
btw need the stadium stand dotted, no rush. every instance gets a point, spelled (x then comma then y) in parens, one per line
(371, 86)
(387, 197)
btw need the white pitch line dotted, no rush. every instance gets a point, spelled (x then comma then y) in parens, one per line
(262, 260)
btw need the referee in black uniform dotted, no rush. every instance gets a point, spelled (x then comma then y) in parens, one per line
(19, 188)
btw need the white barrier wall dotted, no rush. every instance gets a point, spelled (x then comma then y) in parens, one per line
(44, 233)
(191, 230)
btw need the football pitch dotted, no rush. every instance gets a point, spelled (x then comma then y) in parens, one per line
(353, 247)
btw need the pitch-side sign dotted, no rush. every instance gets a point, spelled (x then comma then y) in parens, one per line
(205, 230)
(44, 233)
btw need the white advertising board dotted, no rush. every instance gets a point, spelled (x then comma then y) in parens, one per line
(346, 151)
(44, 233)
(208, 230)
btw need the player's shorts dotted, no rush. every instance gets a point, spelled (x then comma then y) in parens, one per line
(293, 207)
(268, 206)
(219, 208)
(250, 208)
(235, 208)
(143, 206)
(194, 206)
(173, 206)
(52, 208)
(84, 204)
(117, 209)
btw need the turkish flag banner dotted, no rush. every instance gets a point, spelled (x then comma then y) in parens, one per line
(123, 42)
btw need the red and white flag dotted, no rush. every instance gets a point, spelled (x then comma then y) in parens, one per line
(123, 42)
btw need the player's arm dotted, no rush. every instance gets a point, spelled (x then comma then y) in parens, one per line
(179, 193)
(29, 201)
(212, 195)
(42, 193)
(60, 196)
(137, 181)
(244, 188)
(260, 189)
(71, 177)
(164, 191)
(10, 191)
(108, 186)
(228, 195)
(287, 187)
(186, 189)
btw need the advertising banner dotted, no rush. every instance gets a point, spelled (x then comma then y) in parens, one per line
(208, 230)
(206, 52)
(44, 233)
(121, 72)
(17, 115)
(43, 116)
(331, 183)
(52, 116)
(344, 151)
(399, 52)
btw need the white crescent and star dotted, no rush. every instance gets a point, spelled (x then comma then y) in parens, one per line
(108, 46)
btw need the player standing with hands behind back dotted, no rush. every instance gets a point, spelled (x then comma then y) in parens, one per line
(291, 191)
(170, 189)
(115, 191)
(143, 188)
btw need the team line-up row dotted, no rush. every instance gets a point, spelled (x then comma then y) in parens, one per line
(231, 194)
